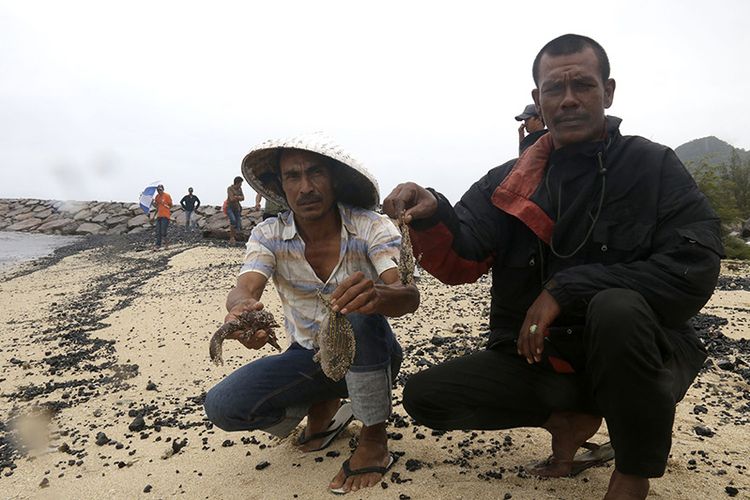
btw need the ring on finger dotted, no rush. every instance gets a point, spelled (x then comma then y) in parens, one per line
(532, 329)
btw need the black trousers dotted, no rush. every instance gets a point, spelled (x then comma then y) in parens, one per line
(635, 373)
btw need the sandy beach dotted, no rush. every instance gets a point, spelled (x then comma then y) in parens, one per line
(104, 365)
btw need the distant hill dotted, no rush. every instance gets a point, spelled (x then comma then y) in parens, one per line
(711, 149)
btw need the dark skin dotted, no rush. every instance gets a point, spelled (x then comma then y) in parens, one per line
(308, 185)
(529, 126)
(571, 97)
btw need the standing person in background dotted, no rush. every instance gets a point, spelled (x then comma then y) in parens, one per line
(270, 208)
(163, 204)
(234, 209)
(531, 129)
(189, 203)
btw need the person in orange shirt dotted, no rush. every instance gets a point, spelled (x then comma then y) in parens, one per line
(163, 203)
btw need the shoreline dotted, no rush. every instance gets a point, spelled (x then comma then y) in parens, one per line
(104, 350)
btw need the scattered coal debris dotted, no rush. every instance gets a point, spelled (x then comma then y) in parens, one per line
(86, 364)
(733, 283)
(732, 355)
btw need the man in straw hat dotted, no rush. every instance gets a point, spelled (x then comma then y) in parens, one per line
(328, 243)
(601, 249)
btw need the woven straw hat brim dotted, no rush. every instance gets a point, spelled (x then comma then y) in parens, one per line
(356, 186)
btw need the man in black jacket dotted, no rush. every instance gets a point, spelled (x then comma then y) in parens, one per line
(189, 203)
(601, 249)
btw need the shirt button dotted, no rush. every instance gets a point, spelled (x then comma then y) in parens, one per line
(569, 331)
(532, 262)
(604, 248)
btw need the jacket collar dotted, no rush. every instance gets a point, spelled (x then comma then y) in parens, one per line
(514, 193)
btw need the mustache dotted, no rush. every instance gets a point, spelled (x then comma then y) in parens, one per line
(571, 117)
(310, 198)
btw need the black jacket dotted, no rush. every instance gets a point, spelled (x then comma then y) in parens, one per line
(190, 202)
(629, 204)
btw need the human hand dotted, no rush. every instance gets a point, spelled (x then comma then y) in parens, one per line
(534, 124)
(251, 341)
(411, 200)
(521, 132)
(540, 315)
(355, 294)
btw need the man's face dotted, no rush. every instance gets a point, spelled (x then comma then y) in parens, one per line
(533, 124)
(572, 97)
(159, 189)
(307, 184)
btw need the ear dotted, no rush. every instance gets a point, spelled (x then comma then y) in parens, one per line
(609, 92)
(535, 96)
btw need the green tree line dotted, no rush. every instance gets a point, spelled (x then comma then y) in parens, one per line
(727, 187)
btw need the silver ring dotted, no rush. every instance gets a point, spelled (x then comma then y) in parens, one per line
(532, 329)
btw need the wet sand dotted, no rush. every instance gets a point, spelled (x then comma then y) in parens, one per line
(104, 365)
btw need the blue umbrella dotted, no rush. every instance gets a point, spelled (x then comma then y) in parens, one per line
(147, 195)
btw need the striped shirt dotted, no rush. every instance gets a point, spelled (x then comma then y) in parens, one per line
(369, 243)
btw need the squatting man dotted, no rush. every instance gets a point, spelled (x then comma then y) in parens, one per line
(328, 243)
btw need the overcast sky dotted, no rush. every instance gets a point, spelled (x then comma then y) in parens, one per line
(99, 98)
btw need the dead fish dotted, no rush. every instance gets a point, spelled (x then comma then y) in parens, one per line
(249, 322)
(406, 261)
(336, 344)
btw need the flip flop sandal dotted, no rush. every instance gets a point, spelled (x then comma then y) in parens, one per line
(348, 472)
(343, 416)
(596, 455)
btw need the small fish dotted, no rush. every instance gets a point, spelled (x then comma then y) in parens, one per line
(406, 261)
(249, 322)
(336, 344)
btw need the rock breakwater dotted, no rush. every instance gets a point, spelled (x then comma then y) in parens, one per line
(99, 217)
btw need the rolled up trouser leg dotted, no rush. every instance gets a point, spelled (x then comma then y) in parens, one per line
(376, 361)
(272, 394)
(632, 371)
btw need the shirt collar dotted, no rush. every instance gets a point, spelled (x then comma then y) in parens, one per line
(289, 228)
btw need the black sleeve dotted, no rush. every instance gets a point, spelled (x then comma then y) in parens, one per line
(459, 244)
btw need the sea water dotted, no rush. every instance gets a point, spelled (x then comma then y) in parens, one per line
(16, 248)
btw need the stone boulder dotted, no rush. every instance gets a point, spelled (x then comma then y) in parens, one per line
(116, 220)
(25, 215)
(89, 228)
(25, 225)
(83, 215)
(55, 225)
(43, 214)
(219, 222)
(138, 220)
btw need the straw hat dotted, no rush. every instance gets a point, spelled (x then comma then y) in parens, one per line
(356, 186)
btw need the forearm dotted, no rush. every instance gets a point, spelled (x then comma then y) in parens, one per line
(243, 293)
(456, 245)
(397, 300)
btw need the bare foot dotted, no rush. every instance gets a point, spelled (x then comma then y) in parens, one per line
(319, 417)
(626, 487)
(371, 452)
(569, 431)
